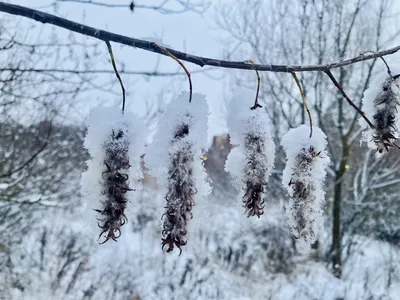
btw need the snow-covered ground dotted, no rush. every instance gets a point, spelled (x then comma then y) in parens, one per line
(228, 256)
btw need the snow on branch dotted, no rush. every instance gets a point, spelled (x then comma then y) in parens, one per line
(251, 161)
(303, 178)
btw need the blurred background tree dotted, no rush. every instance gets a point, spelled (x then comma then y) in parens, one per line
(314, 32)
(46, 245)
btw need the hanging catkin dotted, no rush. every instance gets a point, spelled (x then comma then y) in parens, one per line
(386, 116)
(251, 161)
(116, 162)
(303, 178)
(115, 142)
(175, 159)
(181, 190)
(381, 103)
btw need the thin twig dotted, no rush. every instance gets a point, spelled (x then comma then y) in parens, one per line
(199, 8)
(198, 60)
(256, 104)
(339, 87)
(303, 97)
(387, 66)
(384, 61)
(116, 74)
(165, 51)
(32, 158)
(100, 71)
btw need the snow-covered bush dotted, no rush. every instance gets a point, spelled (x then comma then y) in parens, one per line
(280, 250)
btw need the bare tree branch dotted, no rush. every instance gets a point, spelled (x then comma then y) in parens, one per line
(98, 71)
(198, 60)
(339, 87)
(186, 5)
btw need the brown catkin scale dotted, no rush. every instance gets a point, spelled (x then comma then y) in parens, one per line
(116, 184)
(181, 191)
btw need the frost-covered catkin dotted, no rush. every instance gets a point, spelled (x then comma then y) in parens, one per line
(303, 178)
(381, 106)
(175, 160)
(115, 143)
(252, 160)
(181, 190)
(115, 186)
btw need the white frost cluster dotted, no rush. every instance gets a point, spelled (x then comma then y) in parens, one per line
(305, 170)
(371, 108)
(252, 158)
(100, 125)
(177, 112)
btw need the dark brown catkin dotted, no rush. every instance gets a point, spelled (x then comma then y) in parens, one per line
(181, 190)
(116, 184)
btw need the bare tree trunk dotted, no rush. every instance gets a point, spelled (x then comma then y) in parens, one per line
(336, 212)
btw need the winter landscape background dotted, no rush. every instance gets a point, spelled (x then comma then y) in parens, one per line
(50, 80)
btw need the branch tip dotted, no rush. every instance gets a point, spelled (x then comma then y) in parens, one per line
(381, 57)
(116, 73)
(256, 104)
(168, 53)
(303, 97)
